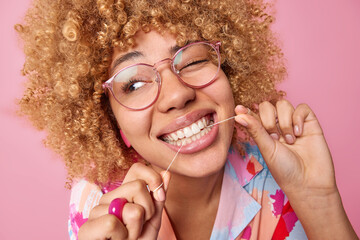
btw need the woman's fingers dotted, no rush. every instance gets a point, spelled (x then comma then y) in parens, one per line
(135, 188)
(268, 116)
(134, 192)
(303, 114)
(152, 178)
(142, 214)
(278, 120)
(254, 126)
(159, 205)
(285, 113)
(151, 228)
(134, 218)
(98, 211)
(104, 227)
(282, 121)
(240, 109)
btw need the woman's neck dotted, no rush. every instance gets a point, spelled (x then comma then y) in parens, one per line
(192, 203)
(187, 191)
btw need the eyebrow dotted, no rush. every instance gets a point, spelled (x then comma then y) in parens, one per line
(176, 48)
(126, 57)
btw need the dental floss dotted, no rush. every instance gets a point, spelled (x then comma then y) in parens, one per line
(221, 121)
(172, 161)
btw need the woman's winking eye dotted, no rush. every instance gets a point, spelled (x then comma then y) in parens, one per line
(194, 64)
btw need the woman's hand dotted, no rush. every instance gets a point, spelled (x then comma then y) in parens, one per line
(141, 215)
(293, 146)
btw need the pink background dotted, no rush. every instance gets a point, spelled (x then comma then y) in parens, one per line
(321, 41)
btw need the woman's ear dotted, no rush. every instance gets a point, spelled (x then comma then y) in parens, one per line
(126, 141)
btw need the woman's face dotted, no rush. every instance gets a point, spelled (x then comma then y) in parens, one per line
(151, 131)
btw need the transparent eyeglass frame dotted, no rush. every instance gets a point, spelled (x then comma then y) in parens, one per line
(215, 45)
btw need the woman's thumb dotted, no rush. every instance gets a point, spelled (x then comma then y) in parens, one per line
(151, 229)
(253, 125)
(160, 194)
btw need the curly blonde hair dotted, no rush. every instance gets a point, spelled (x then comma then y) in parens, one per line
(68, 46)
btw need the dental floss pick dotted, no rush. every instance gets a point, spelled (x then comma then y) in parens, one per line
(172, 161)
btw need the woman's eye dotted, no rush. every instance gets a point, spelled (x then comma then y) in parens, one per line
(133, 85)
(195, 64)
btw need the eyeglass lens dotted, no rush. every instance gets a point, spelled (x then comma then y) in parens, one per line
(137, 86)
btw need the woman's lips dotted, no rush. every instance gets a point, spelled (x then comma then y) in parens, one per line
(193, 137)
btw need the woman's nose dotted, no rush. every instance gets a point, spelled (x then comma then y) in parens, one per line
(173, 94)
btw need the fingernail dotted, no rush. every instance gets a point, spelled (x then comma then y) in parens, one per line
(240, 108)
(160, 195)
(166, 182)
(296, 130)
(274, 136)
(241, 121)
(166, 186)
(289, 138)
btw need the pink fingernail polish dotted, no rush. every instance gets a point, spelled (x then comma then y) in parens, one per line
(289, 138)
(274, 136)
(240, 109)
(296, 130)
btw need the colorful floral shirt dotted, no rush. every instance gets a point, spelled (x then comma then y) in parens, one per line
(252, 205)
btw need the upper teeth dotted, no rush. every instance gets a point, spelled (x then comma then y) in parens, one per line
(189, 131)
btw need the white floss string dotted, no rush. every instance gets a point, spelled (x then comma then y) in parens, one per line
(221, 121)
(248, 112)
(172, 161)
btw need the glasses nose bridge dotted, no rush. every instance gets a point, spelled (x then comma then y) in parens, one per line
(165, 60)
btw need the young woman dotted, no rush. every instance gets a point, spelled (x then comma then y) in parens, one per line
(127, 89)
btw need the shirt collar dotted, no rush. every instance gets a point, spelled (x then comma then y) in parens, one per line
(236, 207)
(243, 168)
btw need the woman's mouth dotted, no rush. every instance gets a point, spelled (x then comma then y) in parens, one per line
(191, 133)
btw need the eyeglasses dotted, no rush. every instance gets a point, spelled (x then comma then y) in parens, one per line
(137, 86)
